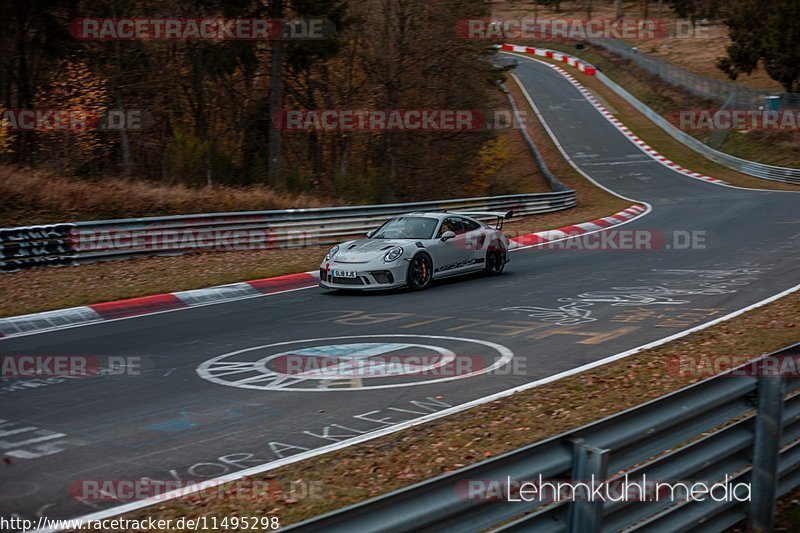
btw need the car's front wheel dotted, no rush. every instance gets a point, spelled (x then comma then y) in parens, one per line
(495, 261)
(420, 272)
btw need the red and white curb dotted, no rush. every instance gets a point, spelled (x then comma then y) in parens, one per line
(588, 69)
(158, 303)
(552, 54)
(543, 237)
(146, 305)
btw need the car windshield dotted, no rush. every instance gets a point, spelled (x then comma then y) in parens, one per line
(406, 228)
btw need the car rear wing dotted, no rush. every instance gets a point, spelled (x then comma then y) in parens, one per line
(499, 216)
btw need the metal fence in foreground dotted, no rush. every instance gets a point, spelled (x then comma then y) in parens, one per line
(743, 424)
(86, 242)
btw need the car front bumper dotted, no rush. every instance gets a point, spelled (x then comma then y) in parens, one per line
(368, 276)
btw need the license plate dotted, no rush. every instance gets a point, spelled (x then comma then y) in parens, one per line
(344, 274)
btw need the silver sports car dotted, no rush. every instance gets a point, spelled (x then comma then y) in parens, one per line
(416, 248)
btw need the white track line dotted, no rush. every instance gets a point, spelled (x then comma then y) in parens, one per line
(204, 484)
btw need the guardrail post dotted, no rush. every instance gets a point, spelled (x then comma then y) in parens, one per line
(764, 482)
(589, 465)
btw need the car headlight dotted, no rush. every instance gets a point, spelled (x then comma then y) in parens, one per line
(331, 253)
(393, 255)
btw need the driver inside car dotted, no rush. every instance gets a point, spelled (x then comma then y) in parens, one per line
(447, 225)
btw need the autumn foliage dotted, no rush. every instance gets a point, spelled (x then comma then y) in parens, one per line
(210, 103)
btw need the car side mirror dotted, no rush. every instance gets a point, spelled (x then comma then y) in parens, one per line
(370, 233)
(447, 235)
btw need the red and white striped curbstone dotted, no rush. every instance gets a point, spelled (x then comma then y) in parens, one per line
(649, 150)
(146, 305)
(89, 314)
(552, 54)
(543, 237)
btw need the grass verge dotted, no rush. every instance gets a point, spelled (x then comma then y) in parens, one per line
(787, 512)
(393, 461)
(30, 196)
(44, 289)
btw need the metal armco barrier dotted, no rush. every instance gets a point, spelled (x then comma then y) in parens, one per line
(738, 95)
(45, 245)
(743, 424)
(751, 168)
(86, 242)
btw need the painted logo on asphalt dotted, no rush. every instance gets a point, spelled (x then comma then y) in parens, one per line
(359, 362)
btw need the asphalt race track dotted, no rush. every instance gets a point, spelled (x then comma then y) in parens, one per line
(187, 417)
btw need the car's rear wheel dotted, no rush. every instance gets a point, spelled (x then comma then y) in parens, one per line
(420, 272)
(495, 260)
